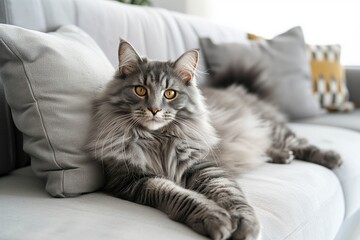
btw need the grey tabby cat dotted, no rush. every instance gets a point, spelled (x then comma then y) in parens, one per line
(162, 146)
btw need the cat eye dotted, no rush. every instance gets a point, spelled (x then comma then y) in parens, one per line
(141, 91)
(170, 94)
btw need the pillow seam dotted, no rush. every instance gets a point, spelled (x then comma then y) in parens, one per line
(17, 55)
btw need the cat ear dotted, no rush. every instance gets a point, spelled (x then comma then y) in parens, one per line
(186, 64)
(129, 59)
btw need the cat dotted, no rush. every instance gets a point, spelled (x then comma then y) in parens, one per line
(167, 144)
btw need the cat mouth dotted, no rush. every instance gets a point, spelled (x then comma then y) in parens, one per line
(155, 119)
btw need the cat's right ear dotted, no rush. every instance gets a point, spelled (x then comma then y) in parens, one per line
(186, 64)
(129, 59)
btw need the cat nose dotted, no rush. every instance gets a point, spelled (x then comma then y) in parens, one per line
(154, 110)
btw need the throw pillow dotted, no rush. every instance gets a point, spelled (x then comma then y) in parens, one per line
(50, 80)
(328, 77)
(281, 63)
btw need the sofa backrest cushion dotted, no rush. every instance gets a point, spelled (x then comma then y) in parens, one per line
(157, 33)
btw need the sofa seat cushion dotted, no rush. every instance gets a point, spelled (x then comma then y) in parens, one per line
(349, 120)
(347, 143)
(291, 201)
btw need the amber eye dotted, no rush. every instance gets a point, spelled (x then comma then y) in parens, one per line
(170, 94)
(141, 91)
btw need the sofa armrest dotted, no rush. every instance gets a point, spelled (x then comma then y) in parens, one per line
(12, 155)
(353, 83)
(7, 138)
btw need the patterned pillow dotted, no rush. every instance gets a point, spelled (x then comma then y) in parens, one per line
(328, 77)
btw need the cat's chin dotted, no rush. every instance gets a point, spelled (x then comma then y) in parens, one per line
(154, 125)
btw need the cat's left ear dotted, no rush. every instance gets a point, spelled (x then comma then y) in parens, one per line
(186, 64)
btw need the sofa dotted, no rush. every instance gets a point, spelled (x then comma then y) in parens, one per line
(296, 201)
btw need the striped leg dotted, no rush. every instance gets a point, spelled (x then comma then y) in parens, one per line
(311, 153)
(213, 182)
(194, 209)
(286, 145)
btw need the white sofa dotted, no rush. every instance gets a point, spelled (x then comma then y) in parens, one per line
(297, 201)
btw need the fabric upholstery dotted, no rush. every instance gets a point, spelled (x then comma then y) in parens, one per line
(353, 83)
(349, 120)
(49, 88)
(282, 64)
(346, 142)
(350, 229)
(293, 202)
(328, 77)
(153, 32)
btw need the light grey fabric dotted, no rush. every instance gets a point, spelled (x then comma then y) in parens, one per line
(156, 33)
(353, 84)
(347, 143)
(50, 80)
(349, 120)
(350, 229)
(288, 205)
(283, 66)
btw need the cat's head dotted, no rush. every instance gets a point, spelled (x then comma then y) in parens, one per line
(153, 93)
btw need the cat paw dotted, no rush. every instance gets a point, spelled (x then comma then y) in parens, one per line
(248, 228)
(246, 224)
(215, 222)
(185, 152)
(332, 159)
(281, 156)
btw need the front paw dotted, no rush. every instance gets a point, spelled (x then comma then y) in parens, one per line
(248, 227)
(247, 230)
(186, 151)
(212, 221)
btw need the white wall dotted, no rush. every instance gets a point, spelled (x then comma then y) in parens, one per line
(323, 21)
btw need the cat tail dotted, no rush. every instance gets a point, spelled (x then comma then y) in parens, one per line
(250, 78)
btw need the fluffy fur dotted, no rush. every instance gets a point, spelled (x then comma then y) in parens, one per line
(179, 152)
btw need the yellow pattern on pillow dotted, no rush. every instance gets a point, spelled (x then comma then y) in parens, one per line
(252, 36)
(328, 77)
